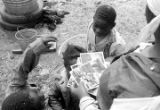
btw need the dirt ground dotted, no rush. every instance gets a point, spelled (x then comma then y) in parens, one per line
(130, 20)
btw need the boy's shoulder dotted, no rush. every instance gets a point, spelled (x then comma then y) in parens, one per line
(118, 38)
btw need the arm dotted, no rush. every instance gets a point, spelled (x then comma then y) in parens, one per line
(28, 61)
(103, 97)
(20, 73)
(106, 93)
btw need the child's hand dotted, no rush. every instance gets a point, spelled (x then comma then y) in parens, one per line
(41, 44)
(49, 42)
(47, 39)
(79, 90)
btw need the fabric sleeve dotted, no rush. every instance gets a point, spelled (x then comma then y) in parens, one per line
(104, 101)
(88, 103)
(26, 64)
(105, 94)
(104, 98)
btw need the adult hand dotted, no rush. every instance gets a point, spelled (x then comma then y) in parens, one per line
(79, 90)
(41, 44)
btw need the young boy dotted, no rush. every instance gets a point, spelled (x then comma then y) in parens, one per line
(102, 36)
(60, 90)
(20, 95)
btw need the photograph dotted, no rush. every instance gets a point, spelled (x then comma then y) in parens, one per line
(86, 57)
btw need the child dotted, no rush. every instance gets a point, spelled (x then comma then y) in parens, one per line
(20, 95)
(101, 33)
(70, 56)
(60, 90)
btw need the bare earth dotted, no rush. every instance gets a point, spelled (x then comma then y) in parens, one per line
(129, 22)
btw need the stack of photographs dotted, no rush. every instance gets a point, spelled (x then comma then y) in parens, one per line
(88, 69)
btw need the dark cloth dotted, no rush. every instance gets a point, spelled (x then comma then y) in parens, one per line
(50, 18)
(131, 76)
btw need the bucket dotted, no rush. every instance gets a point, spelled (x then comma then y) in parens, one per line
(25, 37)
(20, 7)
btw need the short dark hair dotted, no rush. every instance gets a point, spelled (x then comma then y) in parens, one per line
(19, 101)
(70, 53)
(106, 13)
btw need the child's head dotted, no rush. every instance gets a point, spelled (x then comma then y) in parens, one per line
(71, 54)
(23, 101)
(104, 20)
